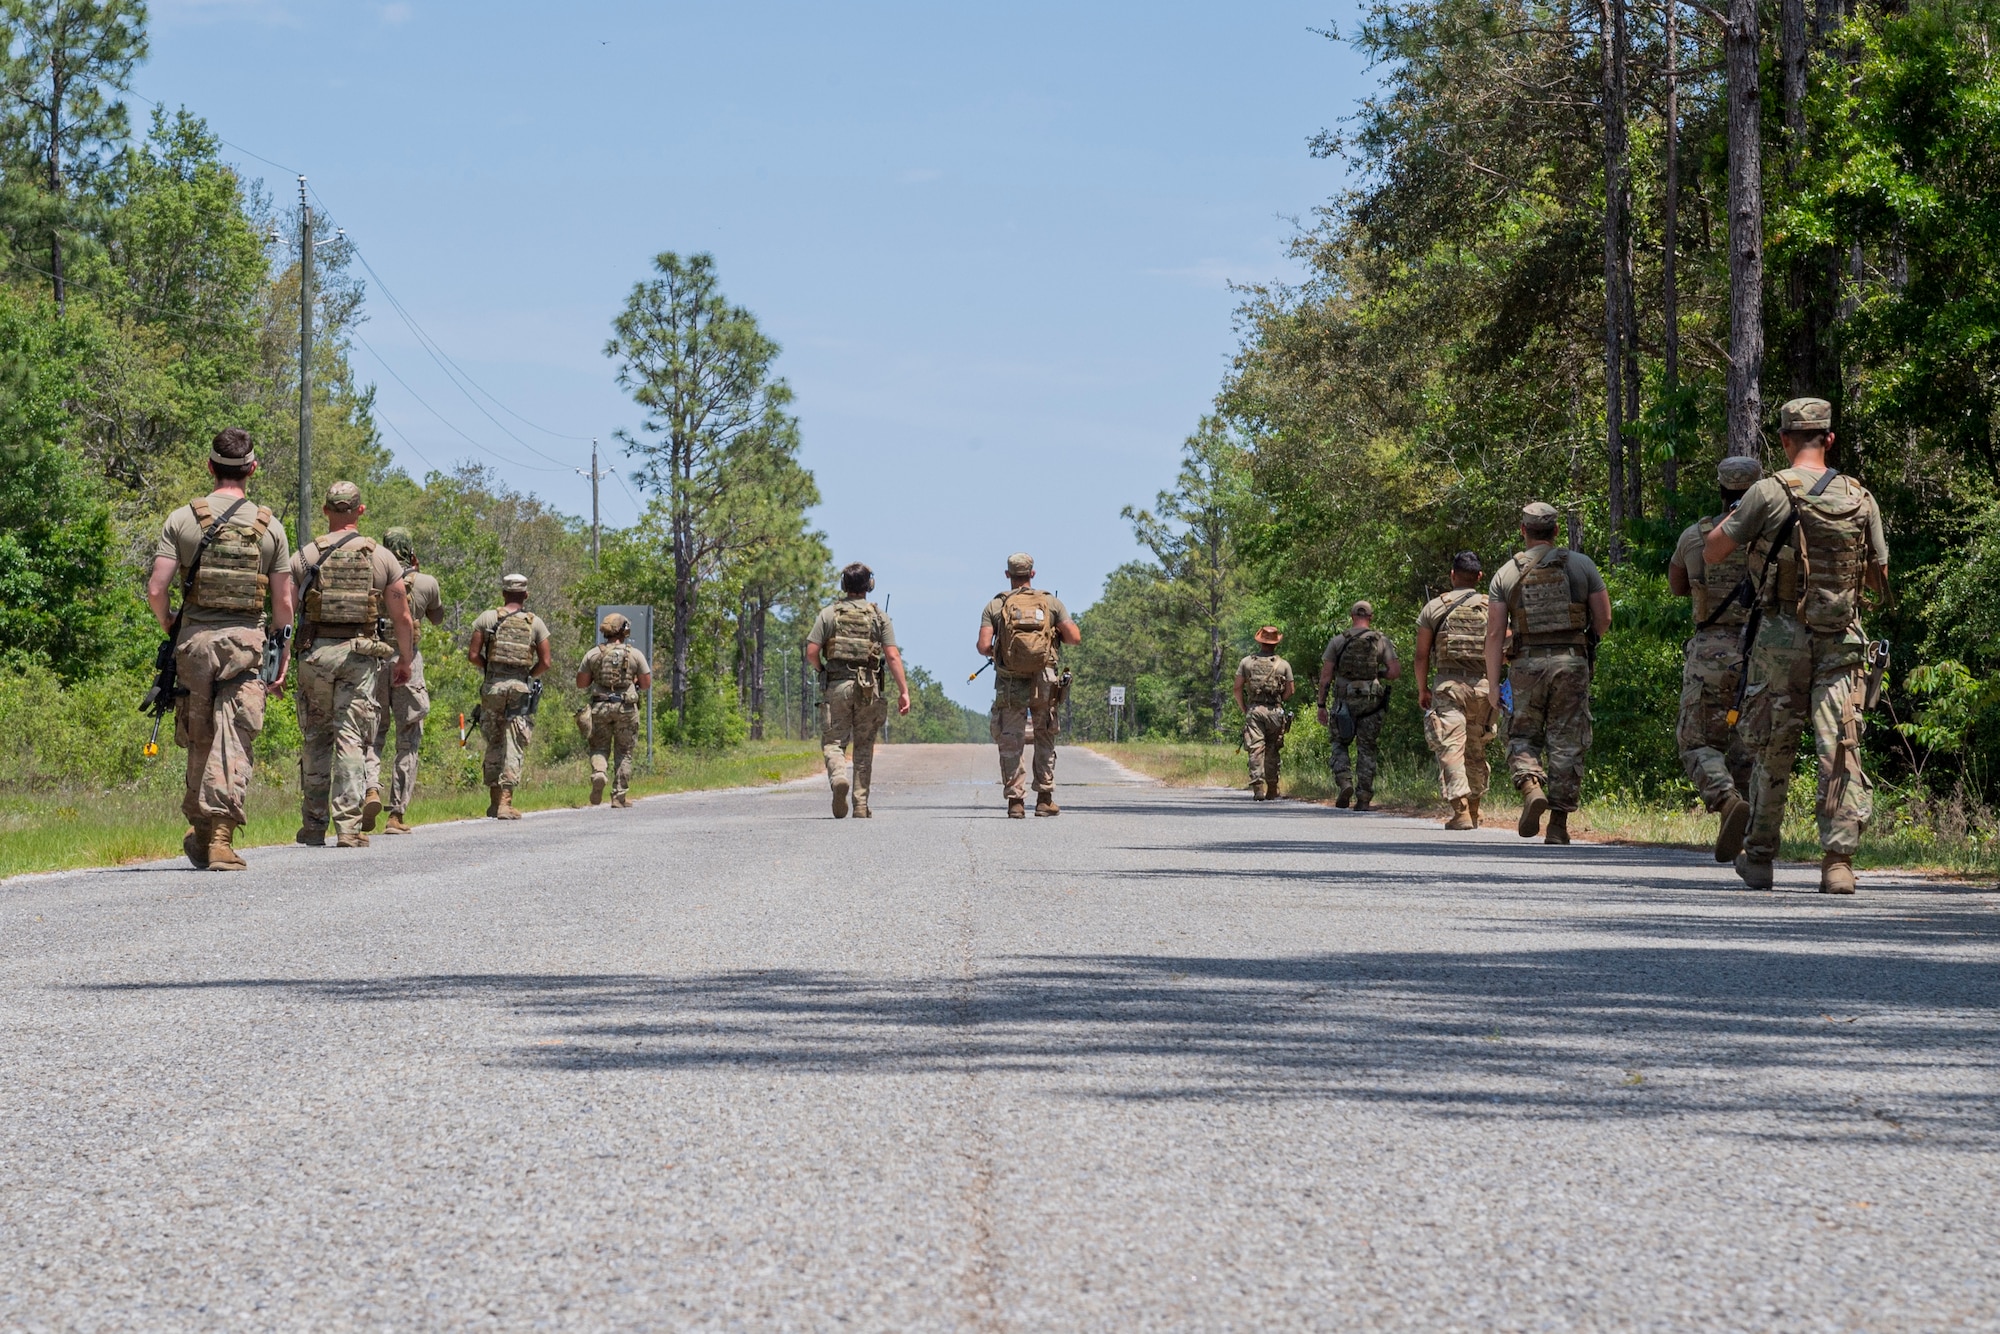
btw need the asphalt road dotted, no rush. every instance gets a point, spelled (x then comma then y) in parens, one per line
(1173, 1060)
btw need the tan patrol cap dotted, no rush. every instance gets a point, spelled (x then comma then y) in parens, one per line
(1020, 565)
(1362, 608)
(1739, 472)
(343, 496)
(1806, 414)
(513, 583)
(1538, 514)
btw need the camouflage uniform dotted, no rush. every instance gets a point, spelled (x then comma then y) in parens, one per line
(1024, 705)
(614, 669)
(407, 705)
(505, 693)
(1806, 667)
(1459, 725)
(1360, 660)
(853, 636)
(340, 657)
(218, 653)
(1266, 682)
(1713, 754)
(1546, 591)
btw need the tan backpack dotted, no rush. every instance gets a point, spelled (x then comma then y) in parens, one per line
(1027, 640)
(1832, 540)
(231, 575)
(617, 669)
(856, 640)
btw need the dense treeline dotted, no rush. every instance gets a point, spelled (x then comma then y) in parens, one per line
(1483, 323)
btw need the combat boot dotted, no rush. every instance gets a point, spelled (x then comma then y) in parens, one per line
(621, 801)
(195, 844)
(840, 791)
(1558, 827)
(1735, 824)
(861, 811)
(1017, 808)
(351, 841)
(1257, 789)
(1755, 875)
(507, 811)
(492, 801)
(1364, 800)
(222, 856)
(1045, 804)
(371, 809)
(1472, 809)
(311, 836)
(1836, 873)
(1461, 814)
(1533, 802)
(395, 825)
(597, 791)
(1344, 798)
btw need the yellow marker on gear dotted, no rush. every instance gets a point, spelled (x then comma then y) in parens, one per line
(152, 748)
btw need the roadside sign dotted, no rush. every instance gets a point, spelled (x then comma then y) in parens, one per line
(1117, 695)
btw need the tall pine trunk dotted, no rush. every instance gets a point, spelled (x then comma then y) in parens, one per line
(1610, 32)
(757, 625)
(1670, 309)
(1740, 40)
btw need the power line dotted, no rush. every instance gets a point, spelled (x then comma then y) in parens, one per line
(484, 449)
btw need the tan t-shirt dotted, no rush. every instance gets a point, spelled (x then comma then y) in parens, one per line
(1687, 553)
(485, 624)
(991, 617)
(640, 667)
(425, 597)
(383, 566)
(181, 534)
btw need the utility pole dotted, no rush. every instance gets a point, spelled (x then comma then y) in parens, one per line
(595, 478)
(305, 364)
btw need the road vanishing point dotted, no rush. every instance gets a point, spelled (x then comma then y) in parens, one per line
(1174, 1060)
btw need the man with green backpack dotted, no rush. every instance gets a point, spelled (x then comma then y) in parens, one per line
(1022, 630)
(850, 642)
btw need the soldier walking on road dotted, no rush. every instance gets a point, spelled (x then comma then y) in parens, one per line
(614, 673)
(1022, 631)
(1357, 667)
(1714, 754)
(510, 644)
(1815, 542)
(229, 554)
(406, 705)
(1558, 608)
(1458, 709)
(349, 585)
(849, 644)
(1263, 684)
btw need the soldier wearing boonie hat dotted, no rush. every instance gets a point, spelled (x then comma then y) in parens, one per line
(1812, 542)
(1556, 602)
(510, 646)
(1263, 684)
(1023, 630)
(1354, 673)
(405, 705)
(1458, 711)
(1713, 755)
(351, 586)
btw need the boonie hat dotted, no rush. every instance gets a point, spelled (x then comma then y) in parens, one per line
(1020, 565)
(343, 496)
(1270, 634)
(513, 583)
(612, 625)
(1739, 472)
(1806, 414)
(1363, 608)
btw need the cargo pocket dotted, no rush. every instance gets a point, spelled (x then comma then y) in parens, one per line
(1755, 722)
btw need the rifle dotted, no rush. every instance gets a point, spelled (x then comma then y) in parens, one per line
(275, 640)
(981, 672)
(166, 689)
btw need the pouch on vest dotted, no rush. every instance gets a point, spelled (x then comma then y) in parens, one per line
(1027, 632)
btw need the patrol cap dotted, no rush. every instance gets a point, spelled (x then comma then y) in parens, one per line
(613, 624)
(1362, 608)
(343, 496)
(1467, 562)
(513, 583)
(1270, 634)
(399, 541)
(1020, 565)
(1806, 414)
(1739, 472)
(1538, 514)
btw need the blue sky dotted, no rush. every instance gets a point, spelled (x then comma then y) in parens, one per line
(995, 244)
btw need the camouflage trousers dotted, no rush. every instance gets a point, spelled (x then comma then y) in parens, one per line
(1799, 679)
(337, 721)
(614, 736)
(850, 718)
(1364, 701)
(507, 729)
(1458, 729)
(407, 707)
(218, 719)
(1714, 754)
(1550, 728)
(1023, 708)
(1264, 741)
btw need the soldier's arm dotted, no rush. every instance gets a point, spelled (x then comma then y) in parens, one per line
(1236, 689)
(645, 678)
(812, 655)
(284, 600)
(1069, 631)
(1496, 642)
(1325, 683)
(397, 599)
(543, 660)
(1291, 685)
(1677, 580)
(895, 657)
(1600, 614)
(1395, 671)
(583, 675)
(986, 640)
(160, 591)
(1425, 637)
(475, 652)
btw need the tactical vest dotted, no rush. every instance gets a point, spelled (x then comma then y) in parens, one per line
(1027, 639)
(1540, 603)
(1458, 644)
(1263, 681)
(617, 670)
(1361, 657)
(511, 645)
(231, 576)
(343, 600)
(1719, 582)
(856, 640)
(1820, 568)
